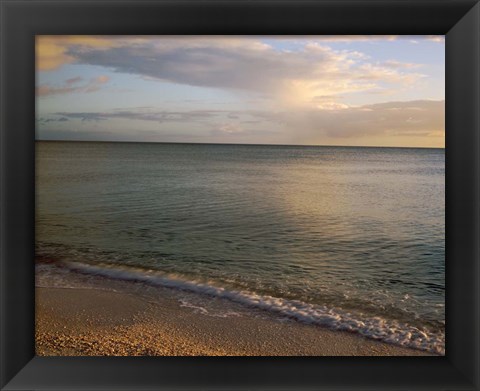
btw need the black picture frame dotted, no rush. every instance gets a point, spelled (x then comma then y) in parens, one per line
(21, 20)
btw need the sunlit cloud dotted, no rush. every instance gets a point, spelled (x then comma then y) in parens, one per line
(387, 119)
(436, 38)
(51, 50)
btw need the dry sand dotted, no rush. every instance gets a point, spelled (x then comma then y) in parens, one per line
(75, 321)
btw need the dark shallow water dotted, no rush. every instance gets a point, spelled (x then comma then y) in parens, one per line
(351, 238)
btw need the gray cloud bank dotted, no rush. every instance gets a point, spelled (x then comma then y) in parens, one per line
(415, 118)
(243, 64)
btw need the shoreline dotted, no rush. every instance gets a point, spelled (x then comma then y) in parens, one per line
(114, 318)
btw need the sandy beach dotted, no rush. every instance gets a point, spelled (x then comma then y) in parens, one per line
(121, 322)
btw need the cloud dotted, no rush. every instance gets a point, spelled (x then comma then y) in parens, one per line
(233, 133)
(401, 65)
(422, 118)
(238, 64)
(54, 119)
(73, 80)
(228, 128)
(221, 121)
(159, 116)
(51, 49)
(83, 135)
(415, 118)
(291, 77)
(357, 38)
(436, 38)
(362, 38)
(72, 85)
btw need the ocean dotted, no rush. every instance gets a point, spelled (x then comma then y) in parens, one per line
(349, 238)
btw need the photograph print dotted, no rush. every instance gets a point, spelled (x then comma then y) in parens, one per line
(240, 195)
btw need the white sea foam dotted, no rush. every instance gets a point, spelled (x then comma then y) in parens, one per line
(375, 327)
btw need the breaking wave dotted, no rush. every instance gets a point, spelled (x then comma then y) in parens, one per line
(377, 328)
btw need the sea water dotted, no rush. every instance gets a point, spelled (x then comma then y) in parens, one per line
(343, 237)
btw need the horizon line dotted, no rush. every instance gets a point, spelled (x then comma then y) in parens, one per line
(243, 144)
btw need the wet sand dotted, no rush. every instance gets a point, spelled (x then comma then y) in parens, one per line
(121, 322)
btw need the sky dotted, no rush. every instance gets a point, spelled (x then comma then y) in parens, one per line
(300, 90)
